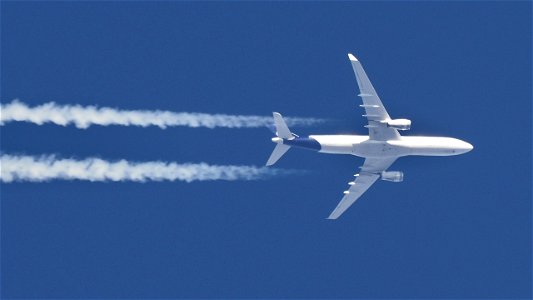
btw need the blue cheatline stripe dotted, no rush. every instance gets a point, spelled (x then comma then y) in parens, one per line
(306, 143)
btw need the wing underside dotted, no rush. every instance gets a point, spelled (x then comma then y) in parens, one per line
(375, 112)
(370, 172)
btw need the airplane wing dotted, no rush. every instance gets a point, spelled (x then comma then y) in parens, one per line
(374, 109)
(370, 172)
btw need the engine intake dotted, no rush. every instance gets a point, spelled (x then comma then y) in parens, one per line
(393, 176)
(400, 124)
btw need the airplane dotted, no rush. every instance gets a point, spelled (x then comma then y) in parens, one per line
(380, 148)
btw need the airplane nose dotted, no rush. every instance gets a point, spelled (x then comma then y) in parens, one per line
(466, 147)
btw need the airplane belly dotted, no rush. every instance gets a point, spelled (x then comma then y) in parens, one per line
(432, 146)
(378, 149)
(338, 144)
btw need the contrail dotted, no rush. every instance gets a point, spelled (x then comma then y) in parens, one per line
(46, 168)
(85, 116)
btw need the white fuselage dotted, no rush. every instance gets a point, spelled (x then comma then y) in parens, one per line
(360, 145)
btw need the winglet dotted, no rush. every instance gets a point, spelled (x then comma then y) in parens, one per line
(351, 57)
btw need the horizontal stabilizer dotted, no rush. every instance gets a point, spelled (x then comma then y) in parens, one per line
(277, 153)
(282, 130)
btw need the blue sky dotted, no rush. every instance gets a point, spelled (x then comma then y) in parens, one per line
(457, 227)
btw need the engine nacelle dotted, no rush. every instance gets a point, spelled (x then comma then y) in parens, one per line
(394, 176)
(400, 124)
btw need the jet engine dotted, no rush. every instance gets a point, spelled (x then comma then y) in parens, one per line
(394, 176)
(400, 124)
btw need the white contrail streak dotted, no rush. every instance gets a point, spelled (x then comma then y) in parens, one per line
(85, 116)
(46, 168)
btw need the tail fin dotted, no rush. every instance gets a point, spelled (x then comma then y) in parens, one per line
(277, 154)
(283, 132)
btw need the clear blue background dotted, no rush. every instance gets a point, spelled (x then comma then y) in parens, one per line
(456, 227)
